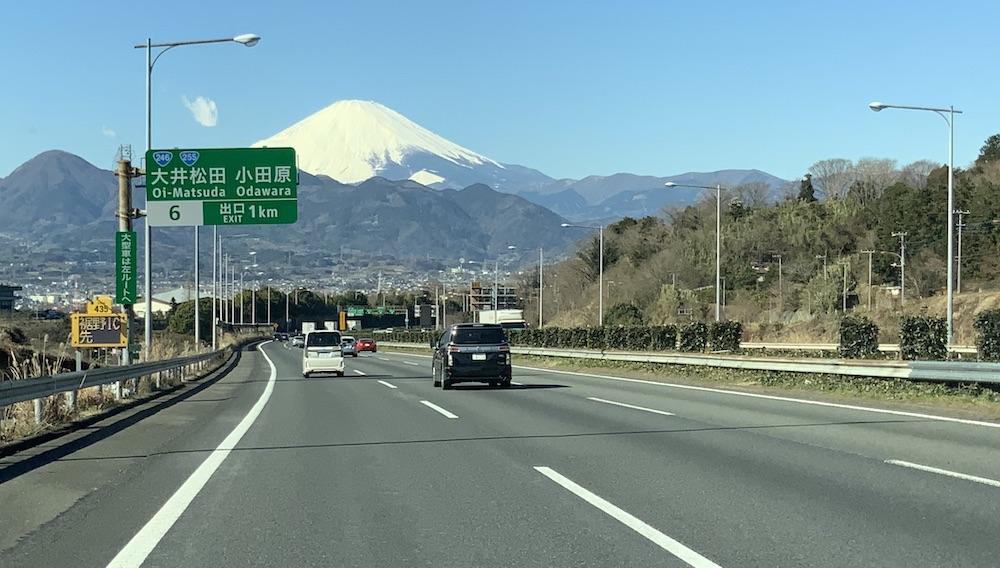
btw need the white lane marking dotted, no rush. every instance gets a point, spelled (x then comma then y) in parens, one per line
(382, 358)
(142, 544)
(438, 409)
(362, 373)
(632, 406)
(949, 473)
(390, 385)
(774, 397)
(411, 363)
(672, 546)
(517, 384)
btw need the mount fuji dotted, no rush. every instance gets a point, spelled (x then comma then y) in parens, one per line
(352, 141)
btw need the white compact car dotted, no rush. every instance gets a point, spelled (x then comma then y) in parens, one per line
(322, 353)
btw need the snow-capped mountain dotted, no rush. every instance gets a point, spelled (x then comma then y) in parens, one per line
(352, 141)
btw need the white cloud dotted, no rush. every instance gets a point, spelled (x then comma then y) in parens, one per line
(107, 131)
(203, 110)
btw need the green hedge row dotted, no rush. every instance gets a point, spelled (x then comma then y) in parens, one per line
(693, 337)
(923, 337)
(987, 326)
(858, 338)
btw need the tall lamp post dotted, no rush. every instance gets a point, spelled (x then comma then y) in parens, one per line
(248, 40)
(948, 114)
(718, 241)
(600, 262)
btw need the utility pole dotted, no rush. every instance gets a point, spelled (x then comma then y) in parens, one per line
(844, 303)
(958, 266)
(215, 284)
(825, 275)
(902, 266)
(125, 215)
(781, 294)
(869, 253)
(287, 328)
(540, 287)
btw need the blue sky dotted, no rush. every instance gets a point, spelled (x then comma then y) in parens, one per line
(570, 88)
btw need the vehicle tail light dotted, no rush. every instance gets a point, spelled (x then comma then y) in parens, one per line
(453, 349)
(505, 349)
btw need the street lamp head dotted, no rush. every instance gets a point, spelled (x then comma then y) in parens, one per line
(877, 106)
(248, 40)
(511, 247)
(564, 225)
(670, 184)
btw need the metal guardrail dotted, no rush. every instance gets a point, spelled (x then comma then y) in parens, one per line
(29, 389)
(944, 371)
(883, 347)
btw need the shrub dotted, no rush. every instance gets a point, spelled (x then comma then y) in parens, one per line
(725, 335)
(858, 337)
(923, 337)
(663, 338)
(628, 315)
(987, 326)
(694, 337)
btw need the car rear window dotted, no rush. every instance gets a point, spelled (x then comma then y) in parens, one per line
(478, 335)
(348, 340)
(323, 339)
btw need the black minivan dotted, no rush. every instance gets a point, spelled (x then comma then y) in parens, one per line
(474, 353)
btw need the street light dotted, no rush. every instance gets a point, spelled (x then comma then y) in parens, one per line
(600, 262)
(718, 241)
(248, 40)
(949, 119)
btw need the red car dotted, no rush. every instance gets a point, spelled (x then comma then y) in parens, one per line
(367, 345)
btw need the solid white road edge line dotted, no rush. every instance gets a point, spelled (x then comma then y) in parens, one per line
(411, 363)
(772, 397)
(672, 546)
(438, 409)
(390, 385)
(142, 544)
(949, 473)
(517, 384)
(632, 406)
(362, 373)
(757, 395)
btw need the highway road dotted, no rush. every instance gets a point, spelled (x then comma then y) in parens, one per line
(262, 467)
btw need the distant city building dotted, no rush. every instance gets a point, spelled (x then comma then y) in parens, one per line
(8, 297)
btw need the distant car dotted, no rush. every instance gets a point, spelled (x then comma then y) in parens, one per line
(298, 341)
(322, 353)
(282, 336)
(367, 344)
(348, 346)
(472, 352)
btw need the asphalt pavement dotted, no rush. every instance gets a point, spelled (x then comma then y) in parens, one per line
(262, 467)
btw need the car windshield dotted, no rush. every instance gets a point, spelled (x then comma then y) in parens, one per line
(478, 335)
(323, 339)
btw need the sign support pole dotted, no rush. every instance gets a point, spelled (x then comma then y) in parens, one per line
(125, 173)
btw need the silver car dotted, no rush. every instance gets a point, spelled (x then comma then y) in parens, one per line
(298, 341)
(348, 346)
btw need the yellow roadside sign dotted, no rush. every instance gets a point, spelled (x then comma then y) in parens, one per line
(99, 325)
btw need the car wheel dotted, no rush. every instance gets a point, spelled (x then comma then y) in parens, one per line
(306, 375)
(340, 373)
(505, 383)
(445, 384)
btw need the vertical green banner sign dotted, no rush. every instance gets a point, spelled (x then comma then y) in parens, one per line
(125, 267)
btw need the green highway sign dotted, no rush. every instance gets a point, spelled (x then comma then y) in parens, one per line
(125, 267)
(221, 186)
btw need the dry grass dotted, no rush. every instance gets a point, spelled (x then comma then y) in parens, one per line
(18, 420)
